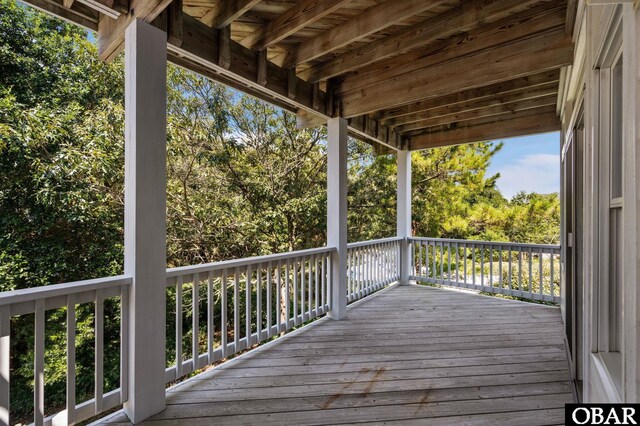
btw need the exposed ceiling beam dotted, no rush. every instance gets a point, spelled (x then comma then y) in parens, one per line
(291, 21)
(228, 11)
(488, 111)
(479, 93)
(543, 52)
(111, 31)
(447, 109)
(78, 13)
(488, 36)
(460, 19)
(358, 27)
(541, 120)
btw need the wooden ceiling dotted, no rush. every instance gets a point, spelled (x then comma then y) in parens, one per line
(408, 74)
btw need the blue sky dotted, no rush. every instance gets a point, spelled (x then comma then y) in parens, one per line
(529, 163)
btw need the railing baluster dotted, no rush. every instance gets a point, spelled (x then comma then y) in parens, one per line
(500, 249)
(296, 321)
(224, 330)
(247, 304)
(551, 282)
(287, 296)
(269, 300)
(71, 359)
(259, 302)
(449, 263)
(309, 288)
(317, 289)
(482, 266)
(324, 283)
(491, 266)
(540, 278)
(278, 297)
(520, 283)
(124, 344)
(38, 364)
(195, 325)
(473, 264)
(464, 259)
(236, 312)
(530, 273)
(99, 351)
(510, 268)
(210, 316)
(179, 327)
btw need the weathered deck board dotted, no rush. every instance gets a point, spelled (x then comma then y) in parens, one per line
(405, 355)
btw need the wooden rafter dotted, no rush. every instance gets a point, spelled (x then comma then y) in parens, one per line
(227, 11)
(297, 17)
(470, 104)
(543, 52)
(531, 82)
(504, 31)
(486, 111)
(460, 19)
(358, 27)
(540, 120)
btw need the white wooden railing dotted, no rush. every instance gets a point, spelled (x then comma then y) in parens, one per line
(279, 292)
(68, 296)
(371, 265)
(528, 271)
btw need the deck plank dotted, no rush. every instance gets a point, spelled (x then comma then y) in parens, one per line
(410, 354)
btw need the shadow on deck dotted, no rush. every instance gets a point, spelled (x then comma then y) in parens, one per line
(408, 354)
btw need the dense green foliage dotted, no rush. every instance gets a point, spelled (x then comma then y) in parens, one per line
(242, 181)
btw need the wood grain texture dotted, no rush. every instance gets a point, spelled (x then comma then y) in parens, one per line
(409, 354)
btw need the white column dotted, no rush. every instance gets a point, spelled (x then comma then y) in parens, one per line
(337, 213)
(404, 212)
(145, 216)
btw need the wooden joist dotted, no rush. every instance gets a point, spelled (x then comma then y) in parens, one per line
(358, 27)
(534, 55)
(297, 17)
(228, 11)
(479, 94)
(460, 19)
(77, 13)
(446, 109)
(111, 31)
(487, 111)
(540, 120)
(504, 31)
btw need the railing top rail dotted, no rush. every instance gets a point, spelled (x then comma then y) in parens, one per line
(54, 290)
(236, 263)
(372, 242)
(487, 243)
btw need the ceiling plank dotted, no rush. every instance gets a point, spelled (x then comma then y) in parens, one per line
(446, 109)
(294, 19)
(541, 120)
(503, 31)
(457, 20)
(488, 111)
(111, 31)
(530, 82)
(534, 55)
(228, 11)
(358, 27)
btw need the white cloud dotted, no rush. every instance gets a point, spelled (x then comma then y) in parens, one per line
(531, 173)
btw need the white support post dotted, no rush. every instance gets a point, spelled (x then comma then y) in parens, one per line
(337, 213)
(404, 212)
(145, 215)
(5, 368)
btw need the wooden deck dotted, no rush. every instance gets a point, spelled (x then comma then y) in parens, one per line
(405, 355)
